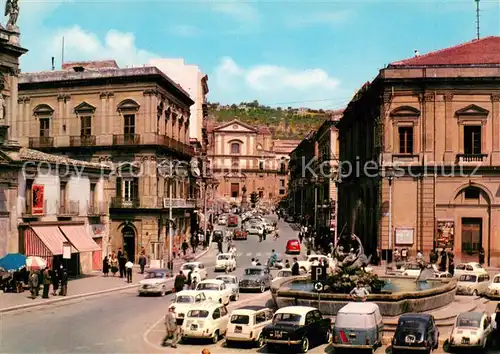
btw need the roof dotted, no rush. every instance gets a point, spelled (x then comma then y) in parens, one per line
(205, 305)
(248, 310)
(359, 308)
(236, 121)
(188, 292)
(211, 281)
(296, 310)
(484, 51)
(98, 64)
(471, 315)
(30, 155)
(415, 316)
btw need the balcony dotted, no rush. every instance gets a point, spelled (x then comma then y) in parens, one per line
(175, 145)
(83, 140)
(97, 209)
(41, 142)
(70, 208)
(30, 212)
(124, 203)
(474, 158)
(126, 139)
(178, 203)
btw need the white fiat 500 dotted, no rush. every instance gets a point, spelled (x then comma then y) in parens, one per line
(205, 320)
(198, 268)
(473, 284)
(225, 260)
(232, 283)
(471, 330)
(215, 290)
(246, 325)
(493, 290)
(313, 260)
(155, 282)
(183, 301)
(469, 268)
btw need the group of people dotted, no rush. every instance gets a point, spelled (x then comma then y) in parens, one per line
(58, 278)
(181, 282)
(119, 262)
(173, 330)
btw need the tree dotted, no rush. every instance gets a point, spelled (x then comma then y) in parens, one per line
(254, 199)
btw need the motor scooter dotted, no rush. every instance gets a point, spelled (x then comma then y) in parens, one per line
(275, 265)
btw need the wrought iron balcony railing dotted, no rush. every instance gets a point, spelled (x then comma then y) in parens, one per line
(124, 203)
(69, 208)
(471, 157)
(97, 209)
(41, 142)
(126, 139)
(82, 140)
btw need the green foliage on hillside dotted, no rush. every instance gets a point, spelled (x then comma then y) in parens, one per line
(284, 123)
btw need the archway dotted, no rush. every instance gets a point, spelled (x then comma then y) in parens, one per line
(128, 234)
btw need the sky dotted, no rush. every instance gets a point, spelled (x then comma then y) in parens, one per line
(282, 53)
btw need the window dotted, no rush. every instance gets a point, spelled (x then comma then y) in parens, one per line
(130, 189)
(92, 195)
(282, 191)
(44, 127)
(405, 140)
(235, 148)
(472, 139)
(62, 194)
(282, 165)
(261, 194)
(261, 165)
(282, 183)
(168, 183)
(28, 195)
(235, 188)
(85, 125)
(129, 124)
(471, 193)
(235, 163)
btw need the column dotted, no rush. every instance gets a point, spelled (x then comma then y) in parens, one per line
(144, 117)
(449, 154)
(59, 116)
(20, 117)
(153, 114)
(113, 119)
(12, 115)
(495, 115)
(102, 115)
(27, 119)
(72, 122)
(428, 118)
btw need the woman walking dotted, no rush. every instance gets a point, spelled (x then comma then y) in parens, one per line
(55, 281)
(105, 266)
(114, 263)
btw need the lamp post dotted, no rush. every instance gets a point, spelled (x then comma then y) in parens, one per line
(337, 181)
(168, 173)
(314, 181)
(390, 178)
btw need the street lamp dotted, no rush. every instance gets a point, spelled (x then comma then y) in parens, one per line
(169, 173)
(314, 181)
(337, 182)
(390, 178)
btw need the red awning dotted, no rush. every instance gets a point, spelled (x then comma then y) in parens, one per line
(51, 237)
(79, 236)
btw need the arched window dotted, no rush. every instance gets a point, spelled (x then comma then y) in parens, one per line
(235, 148)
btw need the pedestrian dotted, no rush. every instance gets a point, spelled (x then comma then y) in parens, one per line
(287, 264)
(219, 246)
(359, 293)
(295, 267)
(179, 282)
(46, 283)
(55, 281)
(33, 284)
(404, 254)
(264, 233)
(121, 262)
(451, 262)
(433, 256)
(301, 236)
(481, 256)
(175, 251)
(189, 279)
(64, 282)
(114, 263)
(128, 268)
(142, 262)
(442, 264)
(194, 283)
(105, 266)
(185, 247)
(171, 328)
(496, 325)
(420, 256)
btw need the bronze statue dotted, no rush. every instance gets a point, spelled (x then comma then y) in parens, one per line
(350, 253)
(12, 10)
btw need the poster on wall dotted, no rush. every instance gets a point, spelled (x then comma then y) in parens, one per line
(445, 234)
(404, 236)
(37, 205)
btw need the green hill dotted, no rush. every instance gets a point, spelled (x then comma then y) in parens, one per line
(284, 123)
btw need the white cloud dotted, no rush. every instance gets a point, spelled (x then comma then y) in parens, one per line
(239, 11)
(331, 18)
(272, 84)
(186, 31)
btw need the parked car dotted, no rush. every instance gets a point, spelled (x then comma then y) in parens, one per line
(256, 278)
(205, 320)
(255, 229)
(289, 219)
(292, 247)
(215, 290)
(284, 273)
(246, 325)
(415, 331)
(469, 268)
(232, 283)
(225, 260)
(239, 234)
(493, 290)
(183, 301)
(232, 221)
(314, 259)
(155, 282)
(473, 284)
(471, 330)
(412, 270)
(297, 327)
(222, 220)
(199, 271)
(358, 325)
(443, 275)
(218, 235)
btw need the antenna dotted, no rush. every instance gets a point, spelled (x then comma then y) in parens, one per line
(53, 63)
(62, 53)
(477, 19)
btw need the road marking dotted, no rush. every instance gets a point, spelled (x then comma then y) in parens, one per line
(249, 254)
(258, 254)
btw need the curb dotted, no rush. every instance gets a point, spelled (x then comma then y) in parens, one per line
(79, 296)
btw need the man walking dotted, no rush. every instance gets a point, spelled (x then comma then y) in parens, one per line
(46, 283)
(121, 262)
(295, 267)
(64, 282)
(171, 328)
(129, 266)
(142, 262)
(34, 284)
(179, 282)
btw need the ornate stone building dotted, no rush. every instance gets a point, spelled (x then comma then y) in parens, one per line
(427, 131)
(131, 119)
(244, 156)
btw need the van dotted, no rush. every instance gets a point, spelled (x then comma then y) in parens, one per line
(358, 325)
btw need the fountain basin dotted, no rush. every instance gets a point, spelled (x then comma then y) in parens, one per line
(401, 296)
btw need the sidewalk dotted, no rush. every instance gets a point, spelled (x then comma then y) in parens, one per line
(88, 285)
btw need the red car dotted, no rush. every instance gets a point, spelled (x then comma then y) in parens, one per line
(232, 220)
(239, 235)
(293, 246)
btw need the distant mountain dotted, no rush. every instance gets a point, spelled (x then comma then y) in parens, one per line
(284, 123)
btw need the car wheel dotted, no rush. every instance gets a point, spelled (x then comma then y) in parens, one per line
(262, 287)
(215, 338)
(259, 343)
(271, 348)
(304, 345)
(236, 296)
(474, 293)
(220, 300)
(328, 337)
(229, 343)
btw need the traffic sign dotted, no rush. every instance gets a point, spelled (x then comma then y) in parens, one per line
(318, 287)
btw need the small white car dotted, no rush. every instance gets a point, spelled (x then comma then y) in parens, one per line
(256, 229)
(232, 283)
(473, 284)
(313, 260)
(155, 282)
(443, 275)
(222, 221)
(215, 290)
(205, 320)
(493, 290)
(284, 273)
(225, 260)
(198, 268)
(183, 301)
(471, 330)
(246, 325)
(469, 268)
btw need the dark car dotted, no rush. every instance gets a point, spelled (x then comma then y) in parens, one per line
(289, 218)
(415, 331)
(217, 236)
(239, 234)
(297, 328)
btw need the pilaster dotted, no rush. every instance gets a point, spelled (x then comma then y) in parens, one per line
(495, 115)
(59, 119)
(428, 128)
(449, 154)
(102, 116)
(13, 106)
(27, 119)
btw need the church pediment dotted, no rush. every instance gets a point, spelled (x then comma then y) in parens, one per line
(235, 126)
(405, 111)
(472, 110)
(84, 107)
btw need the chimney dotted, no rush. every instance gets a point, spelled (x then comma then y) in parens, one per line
(79, 69)
(416, 52)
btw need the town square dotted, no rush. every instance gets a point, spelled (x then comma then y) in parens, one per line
(250, 177)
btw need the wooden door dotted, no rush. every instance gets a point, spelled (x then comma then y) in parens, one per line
(471, 235)
(97, 255)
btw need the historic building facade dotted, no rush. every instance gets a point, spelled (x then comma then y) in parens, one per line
(426, 133)
(244, 156)
(132, 119)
